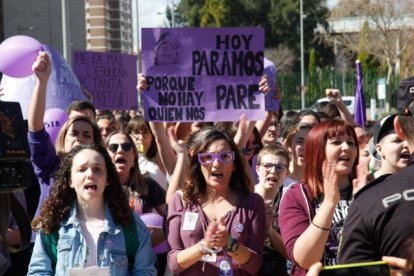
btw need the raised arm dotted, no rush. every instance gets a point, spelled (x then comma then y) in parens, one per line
(334, 95)
(165, 150)
(310, 246)
(178, 177)
(42, 68)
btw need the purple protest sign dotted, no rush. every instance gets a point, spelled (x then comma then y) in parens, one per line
(203, 74)
(110, 77)
(62, 88)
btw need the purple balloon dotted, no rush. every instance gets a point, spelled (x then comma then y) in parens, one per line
(53, 121)
(155, 220)
(18, 54)
(151, 219)
(161, 248)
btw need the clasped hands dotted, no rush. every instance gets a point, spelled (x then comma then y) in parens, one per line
(216, 236)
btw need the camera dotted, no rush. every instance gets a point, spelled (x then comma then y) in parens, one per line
(14, 150)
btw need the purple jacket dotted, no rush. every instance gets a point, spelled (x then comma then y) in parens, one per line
(45, 162)
(295, 214)
(246, 223)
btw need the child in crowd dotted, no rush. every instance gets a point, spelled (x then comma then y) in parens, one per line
(272, 168)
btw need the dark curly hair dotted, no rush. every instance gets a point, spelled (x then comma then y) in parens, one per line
(62, 197)
(196, 186)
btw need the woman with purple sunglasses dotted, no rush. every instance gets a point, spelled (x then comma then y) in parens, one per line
(216, 226)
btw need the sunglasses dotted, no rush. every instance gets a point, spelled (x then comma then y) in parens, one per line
(124, 146)
(278, 167)
(209, 157)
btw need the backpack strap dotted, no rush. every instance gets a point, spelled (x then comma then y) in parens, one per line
(50, 243)
(131, 242)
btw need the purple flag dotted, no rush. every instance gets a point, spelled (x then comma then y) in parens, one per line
(360, 114)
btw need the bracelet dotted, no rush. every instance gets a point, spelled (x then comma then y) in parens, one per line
(202, 246)
(325, 229)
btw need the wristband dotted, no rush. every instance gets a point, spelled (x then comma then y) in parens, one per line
(204, 248)
(322, 228)
(232, 245)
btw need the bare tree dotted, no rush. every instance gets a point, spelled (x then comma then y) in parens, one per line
(386, 29)
(283, 58)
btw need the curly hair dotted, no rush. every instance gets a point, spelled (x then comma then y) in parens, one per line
(196, 186)
(62, 197)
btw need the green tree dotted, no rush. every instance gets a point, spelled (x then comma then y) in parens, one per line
(280, 19)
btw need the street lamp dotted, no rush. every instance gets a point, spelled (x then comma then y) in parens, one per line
(302, 62)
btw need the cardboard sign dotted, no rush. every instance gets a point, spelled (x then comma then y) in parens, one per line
(110, 77)
(203, 74)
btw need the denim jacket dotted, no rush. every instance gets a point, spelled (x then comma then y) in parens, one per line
(72, 248)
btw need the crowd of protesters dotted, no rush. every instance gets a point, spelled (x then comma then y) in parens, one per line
(270, 197)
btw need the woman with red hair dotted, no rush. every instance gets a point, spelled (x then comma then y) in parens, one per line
(312, 212)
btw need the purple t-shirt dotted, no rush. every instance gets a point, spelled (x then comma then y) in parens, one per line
(246, 223)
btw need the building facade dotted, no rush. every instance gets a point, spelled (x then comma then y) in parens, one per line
(109, 25)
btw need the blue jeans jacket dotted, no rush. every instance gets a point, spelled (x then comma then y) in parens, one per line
(71, 249)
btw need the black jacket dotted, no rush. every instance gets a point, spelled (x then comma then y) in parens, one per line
(380, 219)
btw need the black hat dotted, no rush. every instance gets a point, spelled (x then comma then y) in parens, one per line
(405, 96)
(384, 127)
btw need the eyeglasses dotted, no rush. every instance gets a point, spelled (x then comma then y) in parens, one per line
(144, 132)
(124, 146)
(278, 167)
(209, 157)
(275, 125)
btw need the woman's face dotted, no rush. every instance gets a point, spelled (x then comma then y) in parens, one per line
(297, 149)
(142, 139)
(121, 153)
(364, 156)
(88, 175)
(272, 171)
(393, 151)
(217, 173)
(272, 132)
(309, 119)
(343, 151)
(79, 133)
(251, 147)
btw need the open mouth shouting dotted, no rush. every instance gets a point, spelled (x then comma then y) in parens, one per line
(405, 155)
(344, 158)
(91, 187)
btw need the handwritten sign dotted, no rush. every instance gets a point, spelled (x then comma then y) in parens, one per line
(110, 77)
(203, 74)
(62, 88)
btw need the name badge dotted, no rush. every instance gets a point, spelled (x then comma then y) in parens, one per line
(190, 220)
(224, 264)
